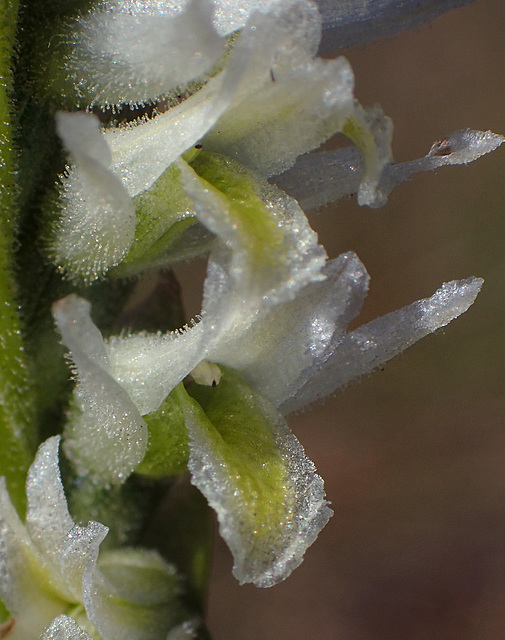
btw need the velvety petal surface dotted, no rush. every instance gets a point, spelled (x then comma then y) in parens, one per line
(269, 501)
(64, 628)
(97, 222)
(130, 52)
(106, 436)
(265, 255)
(42, 563)
(277, 352)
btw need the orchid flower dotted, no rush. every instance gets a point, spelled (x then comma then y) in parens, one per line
(211, 118)
(51, 570)
(272, 335)
(290, 346)
(268, 102)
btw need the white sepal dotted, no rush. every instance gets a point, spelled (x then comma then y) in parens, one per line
(106, 436)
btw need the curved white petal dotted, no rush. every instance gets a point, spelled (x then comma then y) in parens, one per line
(288, 344)
(106, 436)
(97, 223)
(306, 106)
(246, 276)
(78, 556)
(348, 23)
(143, 151)
(269, 501)
(42, 563)
(148, 367)
(261, 267)
(25, 584)
(132, 595)
(48, 521)
(322, 177)
(130, 52)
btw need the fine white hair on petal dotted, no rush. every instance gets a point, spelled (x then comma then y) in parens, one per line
(97, 223)
(144, 150)
(106, 435)
(64, 628)
(81, 136)
(128, 53)
(236, 293)
(322, 177)
(367, 347)
(148, 367)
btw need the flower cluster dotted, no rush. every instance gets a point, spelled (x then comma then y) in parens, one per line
(232, 105)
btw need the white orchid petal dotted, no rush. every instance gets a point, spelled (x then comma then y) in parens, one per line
(64, 628)
(306, 106)
(323, 177)
(254, 473)
(318, 178)
(48, 521)
(132, 595)
(39, 574)
(371, 130)
(241, 283)
(378, 341)
(25, 582)
(257, 272)
(131, 53)
(148, 367)
(108, 437)
(232, 15)
(97, 223)
(79, 554)
(282, 349)
(349, 23)
(81, 136)
(142, 152)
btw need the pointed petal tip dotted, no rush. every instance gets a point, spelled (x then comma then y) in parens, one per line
(450, 301)
(464, 146)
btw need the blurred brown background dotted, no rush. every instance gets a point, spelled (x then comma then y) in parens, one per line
(413, 456)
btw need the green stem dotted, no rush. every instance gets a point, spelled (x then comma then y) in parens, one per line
(15, 400)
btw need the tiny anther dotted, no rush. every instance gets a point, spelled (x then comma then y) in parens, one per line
(441, 148)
